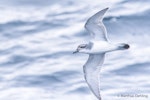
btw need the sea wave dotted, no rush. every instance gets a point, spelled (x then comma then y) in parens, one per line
(37, 40)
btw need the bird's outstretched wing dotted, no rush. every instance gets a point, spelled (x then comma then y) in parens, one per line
(96, 27)
(92, 72)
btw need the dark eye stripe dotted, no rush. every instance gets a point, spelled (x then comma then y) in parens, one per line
(82, 46)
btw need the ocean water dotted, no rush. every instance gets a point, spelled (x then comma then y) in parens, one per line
(37, 39)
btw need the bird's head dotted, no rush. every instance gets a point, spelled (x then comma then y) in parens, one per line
(80, 48)
(123, 46)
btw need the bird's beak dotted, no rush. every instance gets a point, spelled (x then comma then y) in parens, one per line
(76, 51)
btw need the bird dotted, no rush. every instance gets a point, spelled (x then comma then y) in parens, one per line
(97, 48)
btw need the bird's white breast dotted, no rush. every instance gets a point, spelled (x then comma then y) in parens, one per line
(100, 47)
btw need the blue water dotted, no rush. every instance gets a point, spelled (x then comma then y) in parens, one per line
(37, 39)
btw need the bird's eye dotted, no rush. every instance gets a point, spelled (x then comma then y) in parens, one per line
(82, 46)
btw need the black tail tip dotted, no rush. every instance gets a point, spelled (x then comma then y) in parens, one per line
(126, 46)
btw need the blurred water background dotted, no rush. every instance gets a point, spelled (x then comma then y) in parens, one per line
(37, 38)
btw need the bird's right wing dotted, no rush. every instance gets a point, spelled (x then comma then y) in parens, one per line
(92, 72)
(96, 27)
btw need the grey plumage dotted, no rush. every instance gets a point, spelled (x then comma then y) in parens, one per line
(89, 45)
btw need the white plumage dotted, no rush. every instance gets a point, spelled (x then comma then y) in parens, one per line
(96, 48)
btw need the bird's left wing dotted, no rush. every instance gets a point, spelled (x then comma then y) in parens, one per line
(96, 27)
(92, 72)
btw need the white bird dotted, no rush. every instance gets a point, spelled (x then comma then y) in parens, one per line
(96, 48)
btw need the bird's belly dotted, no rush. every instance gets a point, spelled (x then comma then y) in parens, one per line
(100, 48)
(98, 51)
